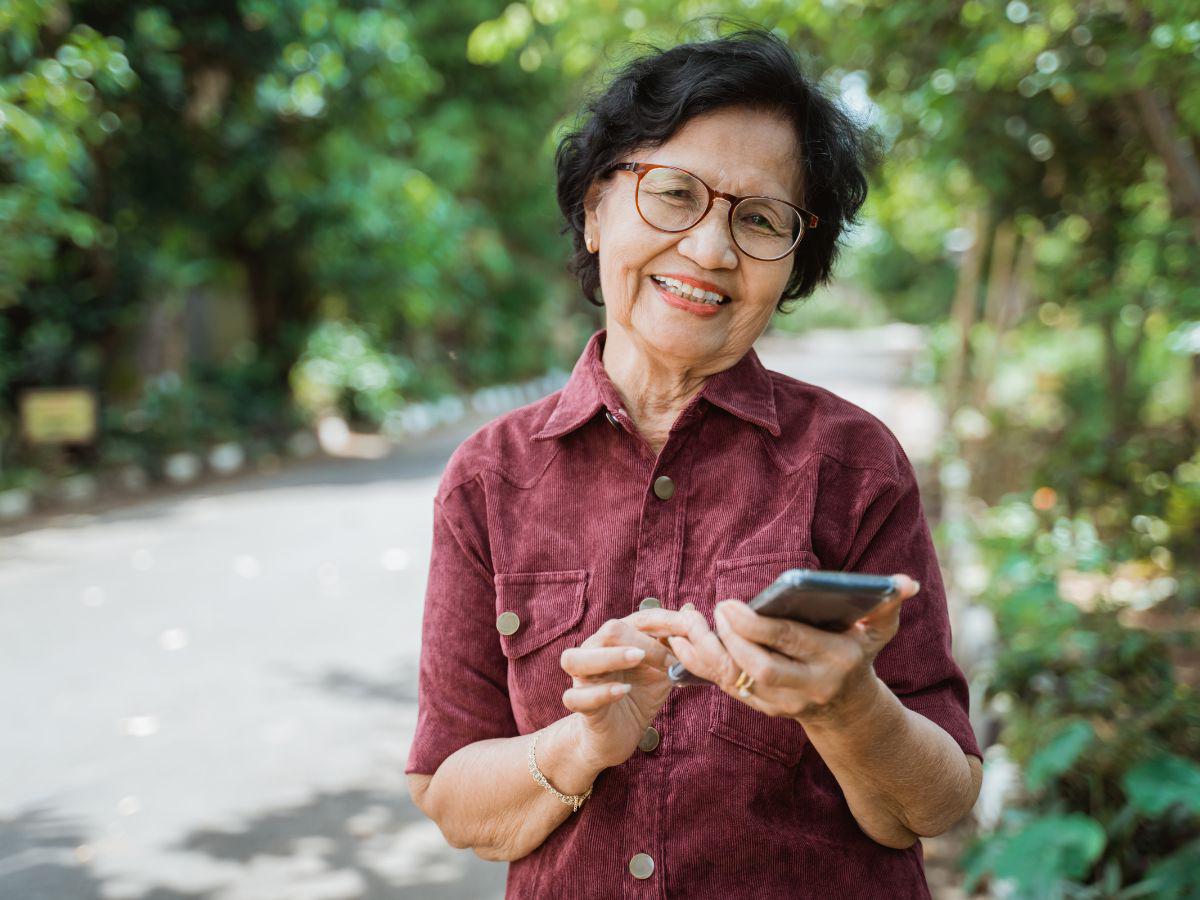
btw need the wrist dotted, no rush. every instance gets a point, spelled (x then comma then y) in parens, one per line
(862, 698)
(562, 757)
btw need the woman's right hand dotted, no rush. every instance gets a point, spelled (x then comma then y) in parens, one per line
(619, 683)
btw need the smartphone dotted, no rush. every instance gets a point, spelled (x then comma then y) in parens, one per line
(831, 601)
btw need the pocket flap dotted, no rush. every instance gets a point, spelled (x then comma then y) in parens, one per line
(546, 604)
(743, 577)
(774, 736)
(781, 739)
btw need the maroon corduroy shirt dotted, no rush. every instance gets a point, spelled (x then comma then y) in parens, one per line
(550, 512)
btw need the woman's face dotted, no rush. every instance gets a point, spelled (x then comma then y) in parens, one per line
(742, 152)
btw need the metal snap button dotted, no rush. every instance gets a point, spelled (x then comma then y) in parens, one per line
(508, 623)
(649, 740)
(641, 866)
(664, 488)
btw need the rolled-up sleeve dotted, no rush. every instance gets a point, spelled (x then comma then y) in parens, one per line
(462, 694)
(893, 537)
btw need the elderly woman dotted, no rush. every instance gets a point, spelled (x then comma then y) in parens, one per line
(669, 481)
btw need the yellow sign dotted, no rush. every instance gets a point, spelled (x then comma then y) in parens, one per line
(58, 415)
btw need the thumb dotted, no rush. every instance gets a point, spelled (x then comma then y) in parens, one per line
(885, 617)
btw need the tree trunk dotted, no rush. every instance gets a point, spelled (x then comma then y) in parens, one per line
(1158, 122)
(1119, 364)
(1000, 276)
(1193, 423)
(279, 307)
(962, 312)
(1022, 285)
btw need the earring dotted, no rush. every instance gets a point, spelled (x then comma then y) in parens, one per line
(590, 247)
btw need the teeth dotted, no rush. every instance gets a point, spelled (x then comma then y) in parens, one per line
(688, 292)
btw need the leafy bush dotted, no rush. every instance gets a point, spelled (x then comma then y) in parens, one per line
(238, 402)
(245, 401)
(342, 369)
(169, 417)
(22, 478)
(1049, 424)
(1095, 713)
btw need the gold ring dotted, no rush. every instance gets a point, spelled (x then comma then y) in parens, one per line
(744, 684)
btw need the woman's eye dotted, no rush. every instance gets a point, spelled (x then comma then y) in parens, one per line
(760, 222)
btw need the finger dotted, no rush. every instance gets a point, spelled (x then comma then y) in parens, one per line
(690, 624)
(583, 662)
(689, 633)
(768, 668)
(882, 615)
(886, 610)
(620, 633)
(707, 656)
(683, 649)
(793, 639)
(666, 622)
(594, 696)
(692, 660)
(906, 586)
(880, 625)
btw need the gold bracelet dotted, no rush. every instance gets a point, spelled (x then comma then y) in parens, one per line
(572, 800)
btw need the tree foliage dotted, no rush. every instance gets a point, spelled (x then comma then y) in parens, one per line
(377, 180)
(327, 161)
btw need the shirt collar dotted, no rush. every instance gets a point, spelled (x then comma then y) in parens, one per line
(580, 398)
(744, 389)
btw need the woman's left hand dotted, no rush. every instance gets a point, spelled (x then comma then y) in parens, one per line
(799, 671)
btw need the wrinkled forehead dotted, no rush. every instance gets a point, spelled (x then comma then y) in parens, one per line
(742, 152)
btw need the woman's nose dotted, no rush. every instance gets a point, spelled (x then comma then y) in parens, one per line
(709, 242)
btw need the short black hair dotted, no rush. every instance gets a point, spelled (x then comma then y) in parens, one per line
(654, 96)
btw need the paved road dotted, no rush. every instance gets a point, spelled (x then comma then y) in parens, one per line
(211, 694)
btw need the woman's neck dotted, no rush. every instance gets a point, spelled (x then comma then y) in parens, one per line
(654, 388)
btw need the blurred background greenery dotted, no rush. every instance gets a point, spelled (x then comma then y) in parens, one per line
(233, 218)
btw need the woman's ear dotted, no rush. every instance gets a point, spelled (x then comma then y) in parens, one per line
(591, 219)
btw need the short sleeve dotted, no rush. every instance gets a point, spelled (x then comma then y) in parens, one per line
(462, 693)
(893, 537)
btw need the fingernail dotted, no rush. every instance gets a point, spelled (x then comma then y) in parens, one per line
(622, 688)
(635, 655)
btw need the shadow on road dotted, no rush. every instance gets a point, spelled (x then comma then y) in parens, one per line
(346, 684)
(361, 844)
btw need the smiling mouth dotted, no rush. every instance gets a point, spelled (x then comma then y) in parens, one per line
(687, 292)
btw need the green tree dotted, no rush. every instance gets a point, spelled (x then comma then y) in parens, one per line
(328, 161)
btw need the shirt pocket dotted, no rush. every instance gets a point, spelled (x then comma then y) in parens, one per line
(549, 607)
(779, 738)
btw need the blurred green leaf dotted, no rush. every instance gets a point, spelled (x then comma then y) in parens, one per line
(1043, 854)
(1156, 784)
(1175, 878)
(1059, 755)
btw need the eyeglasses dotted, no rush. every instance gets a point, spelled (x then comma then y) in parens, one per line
(672, 199)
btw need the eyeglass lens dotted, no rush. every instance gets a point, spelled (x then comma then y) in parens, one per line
(673, 200)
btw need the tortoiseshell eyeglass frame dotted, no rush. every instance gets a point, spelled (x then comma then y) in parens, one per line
(807, 220)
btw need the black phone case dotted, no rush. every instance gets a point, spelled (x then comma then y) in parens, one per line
(831, 601)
